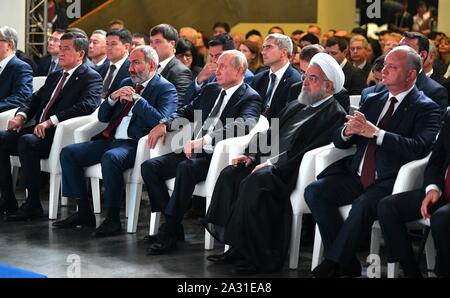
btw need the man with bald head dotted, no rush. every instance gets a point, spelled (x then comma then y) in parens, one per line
(229, 108)
(392, 128)
(266, 178)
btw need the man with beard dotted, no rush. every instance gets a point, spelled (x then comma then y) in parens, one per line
(250, 208)
(131, 111)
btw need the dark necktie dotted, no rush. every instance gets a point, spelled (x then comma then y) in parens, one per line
(368, 168)
(273, 80)
(52, 67)
(108, 80)
(53, 99)
(111, 128)
(214, 113)
(159, 69)
(446, 193)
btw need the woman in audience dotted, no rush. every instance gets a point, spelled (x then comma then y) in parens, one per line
(253, 55)
(187, 53)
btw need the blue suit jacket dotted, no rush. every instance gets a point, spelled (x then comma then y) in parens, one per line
(80, 95)
(245, 104)
(122, 74)
(16, 84)
(158, 100)
(192, 93)
(281, 95)
(409, 136)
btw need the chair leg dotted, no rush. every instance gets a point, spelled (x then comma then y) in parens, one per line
(95, 186)
(318, 249)
(209, 240)
(127, 198)
(392, 270)
(430, 254)
(55, 183)
(226, 248)
(154, 222)
(296, 234)
(134, 205)
(375, 241)
(15, 177)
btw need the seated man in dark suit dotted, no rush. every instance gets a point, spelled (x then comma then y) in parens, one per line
(391, 129)
(164, 38)
(307, 53)
(16, 76)
(229, 108)
(430, 88)
(97, 48)
(132, 111)
(118, 44)
(354, 81)
(255, 190)
(71, 92)
(432, 201)
(217, 45)
(274, 84)
(50, 62)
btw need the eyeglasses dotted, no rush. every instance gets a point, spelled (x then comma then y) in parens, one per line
(186, 55)
(55, 40)
(313, 78)
(356, 48)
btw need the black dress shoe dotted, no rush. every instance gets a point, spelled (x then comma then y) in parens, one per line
(75, 220)
(229, 257)
(8, 206)
(108, 228)
(327, 269)
(163, 245)
(353, 269)
(26, 212)
(149, 239)
(245, 268)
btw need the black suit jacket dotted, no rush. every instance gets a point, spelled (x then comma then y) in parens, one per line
(179, 75)
(281, 95)
(315, 132)
(243, 106)
(354, 81)
(16, 84)
(80, 95)
(342, 97)
(409, 136)
(440, 157)
(121, 75)
(44, 65)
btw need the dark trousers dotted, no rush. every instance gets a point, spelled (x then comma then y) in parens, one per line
(325, 196)
(30, 150)
(395, 211)
(114, 156)
(188, 172)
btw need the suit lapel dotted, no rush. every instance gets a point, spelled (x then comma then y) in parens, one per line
(377, 109)
(232, 102)
(403, 108)
(169, 65)
(72, 80)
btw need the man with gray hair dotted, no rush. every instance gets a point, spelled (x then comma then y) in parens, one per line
(266, 178)
(274, 84)
(97, 48)
(16, 76)
(130, 112)
(229, 108)
(391, 128)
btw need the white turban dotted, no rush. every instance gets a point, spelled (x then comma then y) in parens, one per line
(331, 68)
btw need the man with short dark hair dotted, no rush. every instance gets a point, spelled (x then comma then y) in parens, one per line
(97, 48)
(139, 39)
(49, 63)
(164, 38)
(72, 92)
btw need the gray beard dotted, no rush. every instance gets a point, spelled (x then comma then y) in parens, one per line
(310, 99)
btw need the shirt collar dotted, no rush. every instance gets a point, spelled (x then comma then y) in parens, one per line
(344, 62)
(401, 95)
(361, 66)
(280, 73)
(316, 104)
(429, 74)
(164, 63)
(119, 63)
(5, 61)
(101, 61)
(230, 91)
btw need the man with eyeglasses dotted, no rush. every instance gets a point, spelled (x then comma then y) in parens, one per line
(391, 128)
(16, 76)
(255, 190)
(359, 54)
(50, 62)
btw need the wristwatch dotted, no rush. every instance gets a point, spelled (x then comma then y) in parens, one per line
(164, 121)
(135, 96)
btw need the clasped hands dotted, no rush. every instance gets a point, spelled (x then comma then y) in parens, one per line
(247, 161)
(123, 94)
(359, 125)
(18, 122)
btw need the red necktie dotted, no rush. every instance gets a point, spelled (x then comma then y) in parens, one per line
(53, 99)
(368, 168)
(108, 132)
(446, 193)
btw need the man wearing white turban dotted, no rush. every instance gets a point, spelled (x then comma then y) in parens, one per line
(250, 207)
(392, 128)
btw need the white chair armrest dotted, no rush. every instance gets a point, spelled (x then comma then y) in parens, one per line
(410, 176)
(331, 155)
(87, 131)
(175, 140)
(5, 117)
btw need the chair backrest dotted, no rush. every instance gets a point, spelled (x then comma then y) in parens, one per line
(38, 82)
(410, 175)
(354, 103)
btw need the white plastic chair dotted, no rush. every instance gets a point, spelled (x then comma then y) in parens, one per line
(224, 151)
(63, 137)
(38, 82)
(354, 103)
